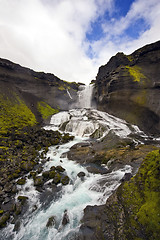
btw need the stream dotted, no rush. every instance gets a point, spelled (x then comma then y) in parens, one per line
(71, 199)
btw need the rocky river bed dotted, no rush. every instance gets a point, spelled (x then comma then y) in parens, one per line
(57, 177)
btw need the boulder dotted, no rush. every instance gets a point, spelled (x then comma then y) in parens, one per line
(64, 180)
(38, 181)
(51, 222)
(52, 174)
(60, 169)
(57, 178)
(65, 219)
(81, 175)
(3, 219)
(126, 177)
(21, 181)
(22, 199)
(46, 174)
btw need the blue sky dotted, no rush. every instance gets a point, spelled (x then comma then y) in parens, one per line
(72, 39)
(121, 7)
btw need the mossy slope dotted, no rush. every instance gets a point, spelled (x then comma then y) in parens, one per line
(46, 110)
(133, 212)
(141, 200)
(14, 113)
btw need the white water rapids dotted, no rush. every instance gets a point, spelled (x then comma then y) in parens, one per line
(94, 189)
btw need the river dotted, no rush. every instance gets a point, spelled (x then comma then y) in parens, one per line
(71, 199)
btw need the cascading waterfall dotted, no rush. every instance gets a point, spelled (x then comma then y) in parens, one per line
(85, 96)
(93, 189)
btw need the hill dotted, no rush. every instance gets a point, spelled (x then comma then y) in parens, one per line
(28, 97)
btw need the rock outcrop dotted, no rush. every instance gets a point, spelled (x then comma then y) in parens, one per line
(128, 86)
(41, 92)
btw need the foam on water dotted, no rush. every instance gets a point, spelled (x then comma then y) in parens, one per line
(85, 96)
(85, 122)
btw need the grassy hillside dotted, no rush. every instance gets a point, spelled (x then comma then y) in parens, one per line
(140, 199)
(15, 114)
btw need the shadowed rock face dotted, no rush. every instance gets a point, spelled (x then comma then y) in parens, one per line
(128, 86)
(33, 87)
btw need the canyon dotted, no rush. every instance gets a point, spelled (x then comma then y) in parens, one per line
(81, 162)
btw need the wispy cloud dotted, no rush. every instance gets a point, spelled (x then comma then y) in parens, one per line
(50, 35)
(143, 17)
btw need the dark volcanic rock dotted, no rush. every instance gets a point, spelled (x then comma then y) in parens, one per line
(128, 87)
(126, 177)
(51, 222)
(33, 87)
(65, 219)
(81, 175)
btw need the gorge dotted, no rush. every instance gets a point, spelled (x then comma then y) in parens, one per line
(63, 187)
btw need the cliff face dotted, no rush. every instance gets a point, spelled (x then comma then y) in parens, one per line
(128, 86)
(38, 93)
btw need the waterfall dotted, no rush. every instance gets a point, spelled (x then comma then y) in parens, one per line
(85, 96)
(91, 122)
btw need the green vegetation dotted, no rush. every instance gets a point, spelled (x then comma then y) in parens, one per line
(61, 88)
(14, 113)
(136, 74)
(64, 86)
(46, 110)
(141, 200)
(130, 57)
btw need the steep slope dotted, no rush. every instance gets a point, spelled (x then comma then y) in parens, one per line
(28, 97)
(128, 87)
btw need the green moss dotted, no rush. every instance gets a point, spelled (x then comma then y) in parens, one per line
(22, 198)
(1, 212)
(38, 181)
(14, 113)
(57, 178)
(52, 174)
(21, 181)
(61, 88)
(4, 219)
(46, 110)
(136, 74)
(65, 180)
(141, 199)
(130, 58)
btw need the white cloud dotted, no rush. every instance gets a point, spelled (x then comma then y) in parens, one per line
(49, 35)
(116, 40)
